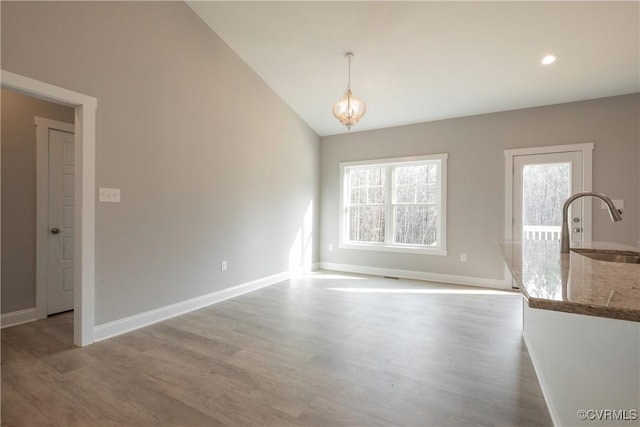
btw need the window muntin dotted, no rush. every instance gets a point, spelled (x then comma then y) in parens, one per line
(395, 204)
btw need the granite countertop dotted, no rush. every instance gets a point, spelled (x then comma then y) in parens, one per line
(572, 282)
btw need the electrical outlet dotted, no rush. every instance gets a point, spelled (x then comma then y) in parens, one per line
(223, 266)
(111, 195)
(463, 257)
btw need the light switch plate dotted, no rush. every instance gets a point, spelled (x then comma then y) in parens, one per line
(617, 203)
(111, 195)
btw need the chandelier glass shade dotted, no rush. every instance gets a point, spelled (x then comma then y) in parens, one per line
(349, 109)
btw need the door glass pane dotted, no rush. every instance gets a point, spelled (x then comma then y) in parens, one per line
(545, 188)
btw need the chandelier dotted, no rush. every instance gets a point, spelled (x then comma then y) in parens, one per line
(349, 109)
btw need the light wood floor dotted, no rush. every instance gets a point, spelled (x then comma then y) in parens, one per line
(328, 350)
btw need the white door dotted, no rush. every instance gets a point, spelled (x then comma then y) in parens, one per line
(541, 184)
(61, 222)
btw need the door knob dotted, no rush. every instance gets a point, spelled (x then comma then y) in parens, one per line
(55, 230)
(576, 219)
(576, 229)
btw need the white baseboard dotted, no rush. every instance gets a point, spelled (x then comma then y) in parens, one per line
(415, 275)
(18, 317)
(128, 324)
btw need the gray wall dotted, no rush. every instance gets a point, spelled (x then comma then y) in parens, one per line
(211, 163)
(19, 195)
(476, 147)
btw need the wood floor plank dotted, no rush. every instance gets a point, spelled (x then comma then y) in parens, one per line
(18, 411)
(35, 385)
(324, 350)
(345, 397)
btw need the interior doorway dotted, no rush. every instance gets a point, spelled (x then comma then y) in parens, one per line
(83, 191)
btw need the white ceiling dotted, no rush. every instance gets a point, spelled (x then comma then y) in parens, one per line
(423, 61)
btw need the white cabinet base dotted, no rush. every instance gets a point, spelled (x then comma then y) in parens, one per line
(585, 363)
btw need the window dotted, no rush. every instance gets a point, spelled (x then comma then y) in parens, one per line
(395, 204)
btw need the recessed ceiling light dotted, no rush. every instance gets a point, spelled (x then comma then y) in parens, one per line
(549, 59)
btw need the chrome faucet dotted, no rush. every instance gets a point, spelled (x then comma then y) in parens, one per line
(614, 213)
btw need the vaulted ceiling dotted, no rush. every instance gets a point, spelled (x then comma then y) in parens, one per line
(423, 61)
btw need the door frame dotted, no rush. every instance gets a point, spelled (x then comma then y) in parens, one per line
(42, 209)
(84, 193)
(587, 182)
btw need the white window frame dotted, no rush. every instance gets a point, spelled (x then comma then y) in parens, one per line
(388, 245)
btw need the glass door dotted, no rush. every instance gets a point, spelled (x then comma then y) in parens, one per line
(541, 184)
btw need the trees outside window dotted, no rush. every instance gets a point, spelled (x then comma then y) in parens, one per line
(395, 204)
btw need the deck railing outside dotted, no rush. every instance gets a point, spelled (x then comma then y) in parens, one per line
(541, 232)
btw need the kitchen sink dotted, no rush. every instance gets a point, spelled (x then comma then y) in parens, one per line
(628, 257)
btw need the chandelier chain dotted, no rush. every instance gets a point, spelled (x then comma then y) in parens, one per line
(349, 72)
